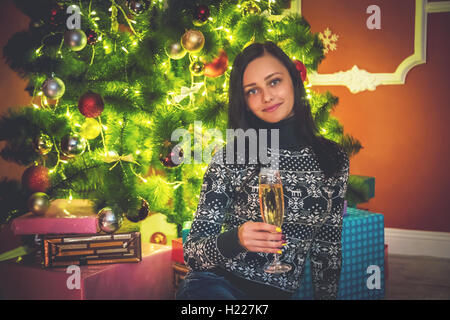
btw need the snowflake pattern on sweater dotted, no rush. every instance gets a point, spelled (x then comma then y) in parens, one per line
(312, 221)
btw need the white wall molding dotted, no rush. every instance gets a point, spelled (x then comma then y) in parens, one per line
(358, 80)
(417, 243)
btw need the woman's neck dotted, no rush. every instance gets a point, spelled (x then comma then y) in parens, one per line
(289, 133)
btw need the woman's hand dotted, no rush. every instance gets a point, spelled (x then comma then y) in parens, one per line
(261, 237)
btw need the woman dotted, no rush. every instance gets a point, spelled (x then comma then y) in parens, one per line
(228, 244)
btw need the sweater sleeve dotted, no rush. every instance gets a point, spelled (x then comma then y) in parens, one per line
(205, 246)
(326, 248)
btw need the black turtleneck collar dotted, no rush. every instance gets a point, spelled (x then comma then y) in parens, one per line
(288, 131)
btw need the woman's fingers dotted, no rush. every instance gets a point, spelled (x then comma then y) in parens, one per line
(261, 237)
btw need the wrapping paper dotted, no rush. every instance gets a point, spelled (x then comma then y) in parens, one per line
(63, 217)
(152, 278)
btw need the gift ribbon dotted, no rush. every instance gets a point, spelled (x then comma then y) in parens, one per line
(114, 157)
(185, 91)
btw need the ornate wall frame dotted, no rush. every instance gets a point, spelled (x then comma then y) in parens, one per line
(358, 80)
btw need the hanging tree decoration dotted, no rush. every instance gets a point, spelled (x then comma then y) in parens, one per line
(301, 68)
(201, 15)
(175, 50)
(38, 203)
(249, 8)
(42, 144)
(91, 104)
(90, 129)
(36, 179)
(193, 40)
(197, 68)
(218, 66)
(53, 88)
(108, 220)
(137, 7)
(73, 145)
(75, 39)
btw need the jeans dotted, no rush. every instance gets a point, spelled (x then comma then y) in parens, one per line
(207, 286)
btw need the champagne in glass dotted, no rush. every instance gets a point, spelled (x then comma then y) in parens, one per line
(272, 209)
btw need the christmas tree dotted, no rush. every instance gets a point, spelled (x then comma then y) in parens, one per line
(110, 81)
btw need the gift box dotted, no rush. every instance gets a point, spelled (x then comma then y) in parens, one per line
(152, 278)
(363, 254)
(66, 250)
(63, 217)
(177, 251)
(185, 231)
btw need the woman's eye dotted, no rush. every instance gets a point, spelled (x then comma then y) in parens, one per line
(251, 91)
(275, 82)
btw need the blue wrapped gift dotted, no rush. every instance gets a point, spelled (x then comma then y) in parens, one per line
(362, 259)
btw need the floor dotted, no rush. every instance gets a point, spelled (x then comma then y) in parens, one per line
(417, 278)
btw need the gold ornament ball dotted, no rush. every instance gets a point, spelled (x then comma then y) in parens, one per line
(90, 129)
(38, 203)
(250, 7)
(43, 144)
(175, 51)
(193, 41)
(197, 68)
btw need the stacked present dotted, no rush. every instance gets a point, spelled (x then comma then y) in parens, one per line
(363, 253)
(69, 235)
(363, 258)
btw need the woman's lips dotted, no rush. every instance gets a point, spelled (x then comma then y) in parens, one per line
(273, 108)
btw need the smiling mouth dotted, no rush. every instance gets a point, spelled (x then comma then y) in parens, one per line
(272, 108)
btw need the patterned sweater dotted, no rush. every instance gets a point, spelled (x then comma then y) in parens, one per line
(312, 222)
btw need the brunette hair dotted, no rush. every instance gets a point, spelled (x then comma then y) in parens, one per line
(328, 152)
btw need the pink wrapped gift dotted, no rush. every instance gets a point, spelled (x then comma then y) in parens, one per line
(63, 216)
(152, 278)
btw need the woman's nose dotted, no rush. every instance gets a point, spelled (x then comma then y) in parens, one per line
(267, 96)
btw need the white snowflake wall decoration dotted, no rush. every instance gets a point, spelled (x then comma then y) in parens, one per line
(329, 40)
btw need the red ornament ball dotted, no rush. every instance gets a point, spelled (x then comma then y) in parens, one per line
(301, 68)
(91, 37)
(36, 179)
(201, 13)
(218, 66)
(91, 104)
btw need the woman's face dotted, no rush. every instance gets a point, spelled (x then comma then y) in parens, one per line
(268, 89)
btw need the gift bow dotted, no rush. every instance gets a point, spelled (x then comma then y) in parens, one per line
(185, 91)
(114, 157)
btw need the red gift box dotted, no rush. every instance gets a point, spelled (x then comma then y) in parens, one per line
(63, 217)
(177, 250)
(152, 278)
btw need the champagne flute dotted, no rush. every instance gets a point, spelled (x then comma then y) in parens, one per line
(272, 209)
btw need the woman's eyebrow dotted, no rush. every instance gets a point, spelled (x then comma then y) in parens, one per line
(252, 84)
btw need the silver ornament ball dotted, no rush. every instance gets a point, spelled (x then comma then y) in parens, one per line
(73, 145)
(38, 203)
(75, 39)
(53, 88)
(108, 221)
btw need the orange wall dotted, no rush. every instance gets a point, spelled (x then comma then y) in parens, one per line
(402, 127)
